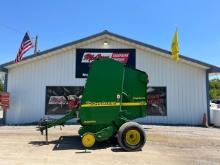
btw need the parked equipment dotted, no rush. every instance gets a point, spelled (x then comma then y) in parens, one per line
(113, 96)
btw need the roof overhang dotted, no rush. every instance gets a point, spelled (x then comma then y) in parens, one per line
(108, 35)
(2, 69)
(214, 70)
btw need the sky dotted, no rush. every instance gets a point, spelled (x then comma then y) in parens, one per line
(151, 21)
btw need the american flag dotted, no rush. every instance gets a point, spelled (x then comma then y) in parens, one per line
(26, 44)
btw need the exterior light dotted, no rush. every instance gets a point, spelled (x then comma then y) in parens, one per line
(105, 43)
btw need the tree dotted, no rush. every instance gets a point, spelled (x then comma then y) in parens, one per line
(1, 86)
(214, 91)
(1, 83)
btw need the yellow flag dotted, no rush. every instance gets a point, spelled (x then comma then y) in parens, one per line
(175, 47)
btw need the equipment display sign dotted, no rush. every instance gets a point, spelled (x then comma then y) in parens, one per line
(85, 56)
(4, 100)
(157, 101)
(62, 99)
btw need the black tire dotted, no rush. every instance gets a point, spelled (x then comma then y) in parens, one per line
(122, 132)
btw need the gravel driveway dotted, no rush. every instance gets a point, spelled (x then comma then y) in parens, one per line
(165, 145)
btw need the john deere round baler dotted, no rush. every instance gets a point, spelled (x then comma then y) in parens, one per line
(113, 96)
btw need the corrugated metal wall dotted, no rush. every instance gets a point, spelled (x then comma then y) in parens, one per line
(186, 85)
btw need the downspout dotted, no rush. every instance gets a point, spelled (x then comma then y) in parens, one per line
(207, 94)
(6, 81)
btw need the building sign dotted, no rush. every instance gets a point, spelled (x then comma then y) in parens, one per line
(60, 100)
(85, 56)
(4, 100)
(157, 101)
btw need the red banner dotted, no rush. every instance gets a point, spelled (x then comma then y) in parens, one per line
(4, 101)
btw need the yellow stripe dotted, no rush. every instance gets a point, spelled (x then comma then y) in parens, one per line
(112, 104)
(134, 103)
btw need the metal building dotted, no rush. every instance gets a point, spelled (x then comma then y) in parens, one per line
(177, 93)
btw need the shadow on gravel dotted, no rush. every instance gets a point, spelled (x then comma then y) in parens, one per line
(74, 143)
(147, 128)
(42, 143)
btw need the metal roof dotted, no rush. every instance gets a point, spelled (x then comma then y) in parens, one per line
(105, 32)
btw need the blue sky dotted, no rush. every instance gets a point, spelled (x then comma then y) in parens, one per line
(57, 22)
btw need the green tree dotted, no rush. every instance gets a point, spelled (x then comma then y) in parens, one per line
(214, 91)
(1, 86)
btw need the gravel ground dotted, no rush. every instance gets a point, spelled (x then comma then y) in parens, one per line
(165, 145)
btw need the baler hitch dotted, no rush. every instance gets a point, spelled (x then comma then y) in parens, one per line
(43, 125)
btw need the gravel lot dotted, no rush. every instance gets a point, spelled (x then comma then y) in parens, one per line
(165, 145)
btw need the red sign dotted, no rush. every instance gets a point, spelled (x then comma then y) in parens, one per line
(118, 56)
(5, 100)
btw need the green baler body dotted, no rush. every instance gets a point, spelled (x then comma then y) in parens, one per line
(113, 95)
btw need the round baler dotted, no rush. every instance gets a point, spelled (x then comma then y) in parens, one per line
(113, 96)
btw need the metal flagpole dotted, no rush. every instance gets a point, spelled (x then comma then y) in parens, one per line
(35, 45)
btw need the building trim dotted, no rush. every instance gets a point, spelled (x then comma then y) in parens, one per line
(2, 69)
(214, 70)
(5, 90)
(212, 67)
(207, 95)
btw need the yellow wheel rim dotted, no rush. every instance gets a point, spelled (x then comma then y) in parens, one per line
(88, 140)
(133, 137)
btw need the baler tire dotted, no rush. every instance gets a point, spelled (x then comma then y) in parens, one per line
(88, 140)
(133, 128)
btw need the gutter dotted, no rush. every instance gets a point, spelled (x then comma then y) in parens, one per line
(214, 69)
(3, 69)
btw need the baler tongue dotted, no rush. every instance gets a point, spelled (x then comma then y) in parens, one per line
(48, 122)
(42, 124)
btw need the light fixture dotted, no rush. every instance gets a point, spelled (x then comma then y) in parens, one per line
(105, 43)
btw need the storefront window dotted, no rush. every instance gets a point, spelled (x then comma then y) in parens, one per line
(157, 101)
(62, 99)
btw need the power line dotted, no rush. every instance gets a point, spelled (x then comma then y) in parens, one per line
(11, 28)
(33, 39)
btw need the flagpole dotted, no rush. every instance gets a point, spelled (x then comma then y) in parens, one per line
(35, 45)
